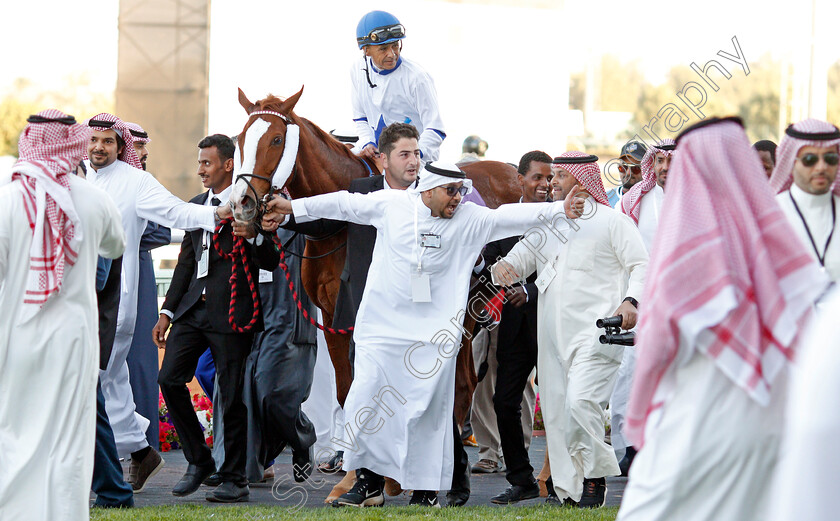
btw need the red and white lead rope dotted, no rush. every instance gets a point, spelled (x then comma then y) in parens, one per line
(239, 254)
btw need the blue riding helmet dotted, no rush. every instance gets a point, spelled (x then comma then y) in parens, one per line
(379, 28)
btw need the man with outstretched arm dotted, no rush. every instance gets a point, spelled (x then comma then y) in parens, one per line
(409, 324)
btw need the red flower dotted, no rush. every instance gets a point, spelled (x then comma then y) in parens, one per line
(209, 441)
(165, 447)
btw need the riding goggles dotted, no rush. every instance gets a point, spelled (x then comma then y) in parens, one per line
(383, 34)
(810, 159)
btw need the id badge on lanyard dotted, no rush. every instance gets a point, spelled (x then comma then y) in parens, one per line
(204, 260)
(545, 277)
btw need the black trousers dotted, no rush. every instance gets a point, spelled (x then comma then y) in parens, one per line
(516, 354)
(461, 464)
(188, 339)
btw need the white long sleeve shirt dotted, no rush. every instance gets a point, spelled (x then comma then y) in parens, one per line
(404, 94)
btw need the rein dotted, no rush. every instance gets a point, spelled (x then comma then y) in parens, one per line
(239, 255)
(315, 239)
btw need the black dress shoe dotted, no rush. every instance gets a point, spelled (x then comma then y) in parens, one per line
(192, 479)
(214, 480)
(229, 492)
(516, 493)
(302, 464)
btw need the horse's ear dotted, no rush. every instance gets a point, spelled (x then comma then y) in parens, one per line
(291, 101)
(246, 104)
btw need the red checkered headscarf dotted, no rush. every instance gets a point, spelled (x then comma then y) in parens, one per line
(631, 202)
(584, 168)
(50, 147)
(726, 279)
(806, 133)
(140, 135)
(129, 155)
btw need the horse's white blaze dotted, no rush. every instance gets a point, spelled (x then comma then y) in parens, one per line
(249, 160)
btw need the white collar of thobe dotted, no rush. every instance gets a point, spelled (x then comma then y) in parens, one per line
(105, 170)
(223, 196)
(810, 202)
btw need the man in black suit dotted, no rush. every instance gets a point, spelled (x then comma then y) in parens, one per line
(516, 350)
(198, 304)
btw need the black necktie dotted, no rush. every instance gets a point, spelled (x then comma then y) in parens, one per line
(215, 201)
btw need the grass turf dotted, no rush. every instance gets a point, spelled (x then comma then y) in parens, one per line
(256, 513)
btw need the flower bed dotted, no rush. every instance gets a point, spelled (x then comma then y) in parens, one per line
(539, 425)
(169, 436)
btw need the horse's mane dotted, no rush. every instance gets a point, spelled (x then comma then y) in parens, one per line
(272, 102)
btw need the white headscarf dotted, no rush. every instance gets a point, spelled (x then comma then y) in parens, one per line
(440, 173)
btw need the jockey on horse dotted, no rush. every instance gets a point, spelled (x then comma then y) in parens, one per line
(388, 88)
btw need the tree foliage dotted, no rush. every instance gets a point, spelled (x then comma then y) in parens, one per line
(754, 97)
(73, 96)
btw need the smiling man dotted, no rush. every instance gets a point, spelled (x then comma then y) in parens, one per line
(515, 353)
(115, 168)
(597, 271)
(400, 404)
(143, 354)
(388, 88)
(198, 303)
(805, 179)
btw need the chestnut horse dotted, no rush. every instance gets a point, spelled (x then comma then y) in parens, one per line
(279, 149)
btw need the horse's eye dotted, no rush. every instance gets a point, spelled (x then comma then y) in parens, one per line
(277, 140)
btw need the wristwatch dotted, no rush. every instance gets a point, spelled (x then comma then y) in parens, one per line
(632, 301)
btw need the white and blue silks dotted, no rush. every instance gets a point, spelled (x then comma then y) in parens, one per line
(404, 94)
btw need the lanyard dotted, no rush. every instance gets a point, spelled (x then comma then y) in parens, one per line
(422, 250)
(820, 258)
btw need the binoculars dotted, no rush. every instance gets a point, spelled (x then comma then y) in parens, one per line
(613, 334)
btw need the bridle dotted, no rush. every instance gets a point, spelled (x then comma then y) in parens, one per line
(293, 137)
(287, 167)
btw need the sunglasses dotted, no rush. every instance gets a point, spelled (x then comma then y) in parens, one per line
(386, 33)
(452, 190)
(830, 158)
(625, 167)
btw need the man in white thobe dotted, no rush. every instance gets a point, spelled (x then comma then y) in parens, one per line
(805, 178)
(723, 309)
(642, 203)
(811, 419)
(409, 324)
(582, 277)
(49, 348)
(114, 167)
